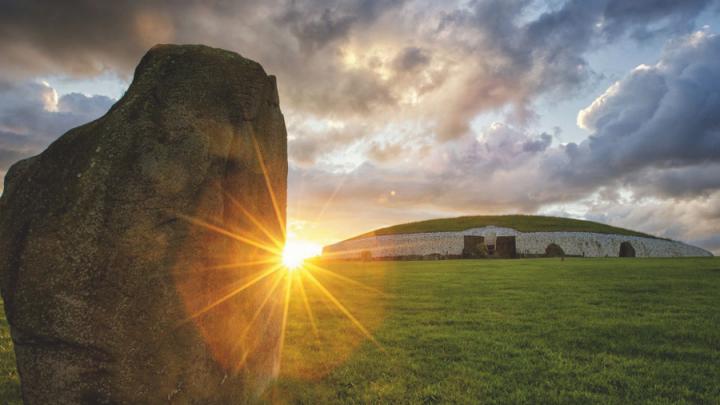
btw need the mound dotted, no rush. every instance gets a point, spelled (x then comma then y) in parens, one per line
(521, 223)
(506, 236)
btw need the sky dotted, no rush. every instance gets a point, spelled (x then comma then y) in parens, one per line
(607, 110)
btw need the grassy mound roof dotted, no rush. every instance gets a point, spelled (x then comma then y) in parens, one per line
(522, 223)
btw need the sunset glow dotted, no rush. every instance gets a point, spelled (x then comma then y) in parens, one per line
(295, 253)
(388, 202)
(276, 299)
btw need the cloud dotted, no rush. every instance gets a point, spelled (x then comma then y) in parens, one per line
(316, 24)
(310, 140)
(339, 60)
(495, 172)
(32, 116)
(538, 145)
(522, 59)
(711, 243)
(651, 162)
(678, 182)
(657, 128)
(392, 86)
(693, 220)
(386, 152)
(8, 157)
(314, 33)
(79, 37)
(411, 58)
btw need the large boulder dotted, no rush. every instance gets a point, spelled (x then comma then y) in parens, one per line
(135, 250)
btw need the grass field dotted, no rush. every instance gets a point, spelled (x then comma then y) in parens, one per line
(522, 223)
(500, 331)
(529, 331)
(9, 382)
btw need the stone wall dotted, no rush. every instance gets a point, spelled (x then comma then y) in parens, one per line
(532, 243)
(603, 245)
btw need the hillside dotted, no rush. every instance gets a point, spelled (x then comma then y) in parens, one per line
(522, 223)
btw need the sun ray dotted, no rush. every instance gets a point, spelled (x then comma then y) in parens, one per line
(306, 302)
(331, 198)
(229, 234)
(287, 266)
(283, 325)
(258, 311)
(311, 266)
(235, 265)
(296, 253)
(274, 286)
(270, 315)
(255, 221)
(343, 253)
(236, 291)
(344, 310)
(268, 184)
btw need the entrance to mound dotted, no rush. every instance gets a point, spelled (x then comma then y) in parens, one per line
(505, 246)
(474, 246)
(626, 250)
(489, 246)
(553, 250)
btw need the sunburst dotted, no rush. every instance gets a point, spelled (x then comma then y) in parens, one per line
(271, 282)
(296, 253)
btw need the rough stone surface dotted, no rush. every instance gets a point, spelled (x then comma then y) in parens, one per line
(531, 243)
(100, 266)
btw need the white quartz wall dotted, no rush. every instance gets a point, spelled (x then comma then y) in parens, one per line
(532, 243)
(444, 243)
(601, 245)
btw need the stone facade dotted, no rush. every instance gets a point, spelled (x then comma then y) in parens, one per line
(585, 244)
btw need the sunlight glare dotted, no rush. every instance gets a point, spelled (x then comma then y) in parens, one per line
(296, 252)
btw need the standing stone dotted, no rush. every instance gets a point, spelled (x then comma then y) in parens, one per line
(106, 251)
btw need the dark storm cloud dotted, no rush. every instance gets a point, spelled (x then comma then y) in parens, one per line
(113, 35)
(319, 23)
(681, 182)
(661, 117)
(538, 145)
(411, 58)
(497, 56)
(79, 37)
(546, 54)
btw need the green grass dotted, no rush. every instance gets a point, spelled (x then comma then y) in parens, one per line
(527, 331)
(501, 331)
(522, 223)
(9, 381)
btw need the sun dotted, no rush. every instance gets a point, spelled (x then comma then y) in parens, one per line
(295, 253)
